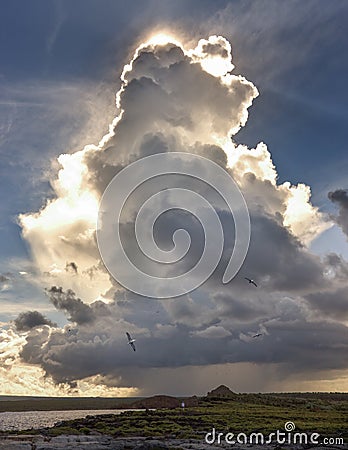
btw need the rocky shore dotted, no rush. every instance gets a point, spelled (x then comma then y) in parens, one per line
(73, 442)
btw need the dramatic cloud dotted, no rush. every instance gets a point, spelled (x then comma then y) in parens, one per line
(332, 304)
(177, 99)
(20, 378)
(31, 319)
(66, 301)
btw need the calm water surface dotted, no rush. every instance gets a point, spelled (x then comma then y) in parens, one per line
(37, 419)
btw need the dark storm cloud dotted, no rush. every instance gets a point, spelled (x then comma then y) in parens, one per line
(331, 304)
(243, 309)
(305, 346)
(340, 198)
(100, 347)
(277, 257)
(68, 302)
(31, 319)
(300, 345)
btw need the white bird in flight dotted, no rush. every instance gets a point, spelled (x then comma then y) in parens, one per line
(130, 340)
(251, 281)
(257, 335)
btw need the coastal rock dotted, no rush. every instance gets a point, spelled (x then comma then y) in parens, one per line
(15, 446)
(74, 442)
(151, 445)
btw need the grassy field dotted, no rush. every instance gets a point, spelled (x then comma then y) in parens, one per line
(326, 414)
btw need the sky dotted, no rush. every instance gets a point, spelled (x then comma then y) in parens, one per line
(259, 88)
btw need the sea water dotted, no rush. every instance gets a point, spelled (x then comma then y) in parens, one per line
(25, 420)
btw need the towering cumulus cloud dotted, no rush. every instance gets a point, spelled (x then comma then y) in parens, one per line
(175, 99)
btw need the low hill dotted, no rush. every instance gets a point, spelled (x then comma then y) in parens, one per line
(221, 392)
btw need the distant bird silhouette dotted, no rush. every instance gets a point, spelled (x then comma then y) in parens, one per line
(257, 335)
(251, 281)
(130, 341)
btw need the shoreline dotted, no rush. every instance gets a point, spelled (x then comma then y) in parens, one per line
(34, 421)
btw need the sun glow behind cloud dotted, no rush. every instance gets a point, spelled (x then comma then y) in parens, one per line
(162, 39)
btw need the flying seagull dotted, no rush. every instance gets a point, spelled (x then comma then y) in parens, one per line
(257, 335)
(130, 340)
(251, 281)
